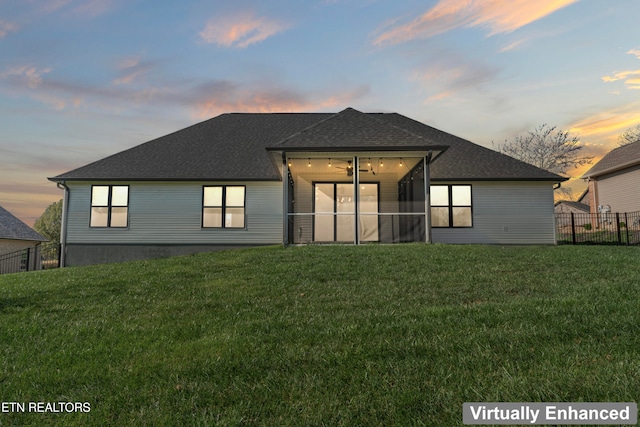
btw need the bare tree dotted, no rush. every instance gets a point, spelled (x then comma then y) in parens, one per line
(547, 148)
(629, 136)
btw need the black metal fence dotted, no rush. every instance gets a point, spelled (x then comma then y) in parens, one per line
(44, 256)
(598, 229)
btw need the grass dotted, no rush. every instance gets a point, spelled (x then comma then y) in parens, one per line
(314, 336)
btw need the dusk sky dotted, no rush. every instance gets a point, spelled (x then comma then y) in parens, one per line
(80, 80)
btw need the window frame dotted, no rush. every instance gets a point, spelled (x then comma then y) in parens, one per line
(109, 206)
(450, 205)
(223, 207)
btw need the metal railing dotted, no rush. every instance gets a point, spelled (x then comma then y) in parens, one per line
(23, 260)
(373, 227)
(39, 257)
(598, 229)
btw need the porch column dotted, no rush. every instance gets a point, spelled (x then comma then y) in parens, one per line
(356, 196)
(427, 197)
(285, 200)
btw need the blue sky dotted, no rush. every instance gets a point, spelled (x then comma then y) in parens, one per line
(80, 80)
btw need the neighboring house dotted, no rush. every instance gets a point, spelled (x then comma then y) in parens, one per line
(580, 210)
(15, 238)
(614, 182)
(566, 206)
(15, 235)
(585, 197)
(294, 178)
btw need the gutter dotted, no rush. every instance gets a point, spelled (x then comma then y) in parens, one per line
(63, 226)
(609, 170)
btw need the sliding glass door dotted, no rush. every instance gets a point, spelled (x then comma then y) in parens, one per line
(368, 210)
(324, 224)
(334, 212)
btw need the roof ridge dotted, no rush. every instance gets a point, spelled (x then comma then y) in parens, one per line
(371, 116)
(300, 132)
(614, 161)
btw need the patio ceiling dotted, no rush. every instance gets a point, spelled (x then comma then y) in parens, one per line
(375, 167)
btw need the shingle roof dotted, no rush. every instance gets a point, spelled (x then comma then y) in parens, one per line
(465, 160)
(14, 229)
(617, 159)
(577, 205)
(235, 147)
(351, 129)
(228, 147)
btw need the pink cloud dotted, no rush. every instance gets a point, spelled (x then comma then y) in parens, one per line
(93, 8)
(605, 126)
(7, 27)
(131, 69)
(448, 74)
(82, 8)
(26, 74)
(223, 97)
(499, 16)
(635, 52)
(631, 78)
(50, 6)
(241, 30)
(512, 46)
(599, 132)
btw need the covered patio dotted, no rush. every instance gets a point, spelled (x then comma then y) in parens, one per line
(356, 197)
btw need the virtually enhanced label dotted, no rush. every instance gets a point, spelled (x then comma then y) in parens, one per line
(532, 413)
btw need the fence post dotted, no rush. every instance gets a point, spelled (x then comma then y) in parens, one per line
(626, 227)
(618, 228)
(28, 261)
(573, 229)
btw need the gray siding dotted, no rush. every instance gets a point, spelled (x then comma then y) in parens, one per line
(620, 190)
(171, 213)
(506, 213)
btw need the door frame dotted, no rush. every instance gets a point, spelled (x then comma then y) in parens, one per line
(356, 211)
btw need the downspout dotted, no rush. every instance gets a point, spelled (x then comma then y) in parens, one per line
(556, 185)
(356, 199)
(285, 200)
(427, 196)
(63, 224)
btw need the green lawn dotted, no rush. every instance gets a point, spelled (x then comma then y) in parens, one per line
(309, 336)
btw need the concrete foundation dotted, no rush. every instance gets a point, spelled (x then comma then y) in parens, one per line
(79, 255)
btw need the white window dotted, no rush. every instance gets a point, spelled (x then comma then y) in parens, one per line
(109, 206)
(223, 206)
(451, 206)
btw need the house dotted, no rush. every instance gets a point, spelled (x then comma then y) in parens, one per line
(581, 214)
(614, 182)
(19, 245)
(15, 235)
(585, 198)
(566, 206)
(250, 179)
